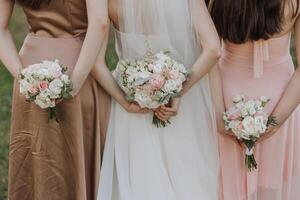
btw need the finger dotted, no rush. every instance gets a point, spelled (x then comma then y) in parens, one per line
(161, 117)
(168, 109)
(166, 112)
(144, 110)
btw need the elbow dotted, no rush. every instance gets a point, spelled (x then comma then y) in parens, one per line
(215, 51)
(100, 23)
(104, 25)
(4, 27)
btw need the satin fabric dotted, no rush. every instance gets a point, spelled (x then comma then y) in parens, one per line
(50, 160)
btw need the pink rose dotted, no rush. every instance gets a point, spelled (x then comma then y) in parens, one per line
(240, 126)
(43, 85)
(150, 67)
(157, 81)
(233, 116)
(33, 90)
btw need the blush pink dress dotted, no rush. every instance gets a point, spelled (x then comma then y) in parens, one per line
(261, 68)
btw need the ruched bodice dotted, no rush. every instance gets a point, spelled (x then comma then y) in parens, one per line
(59, 18)
(258, 54)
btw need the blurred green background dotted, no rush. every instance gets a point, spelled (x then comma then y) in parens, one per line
(19, 29)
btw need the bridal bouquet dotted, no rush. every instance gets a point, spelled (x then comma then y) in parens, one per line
(248, 121)
(44, 84)
(151, 81)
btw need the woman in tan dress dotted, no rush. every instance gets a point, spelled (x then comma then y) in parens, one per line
(49, 159)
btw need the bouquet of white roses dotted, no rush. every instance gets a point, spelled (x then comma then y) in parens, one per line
(151, 81)
(44, 84)
(248, 121)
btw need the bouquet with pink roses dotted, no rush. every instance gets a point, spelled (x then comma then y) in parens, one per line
(248, 121)
(44, 84)
(151, 81)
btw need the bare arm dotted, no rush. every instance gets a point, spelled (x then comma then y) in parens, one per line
(98, 24)
(217, 95)
(289, 101)
(209, 41)
(103, 75)
(8, 52)
(291, 96)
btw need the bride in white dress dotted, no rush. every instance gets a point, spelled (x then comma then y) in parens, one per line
(179, 162)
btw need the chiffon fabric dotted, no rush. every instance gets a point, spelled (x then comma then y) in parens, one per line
(261, 68)
(178, 162)
(48, 159)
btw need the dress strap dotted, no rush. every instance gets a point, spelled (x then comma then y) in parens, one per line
(260, 54)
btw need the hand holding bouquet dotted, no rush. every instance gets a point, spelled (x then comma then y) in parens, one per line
(44, 84)
(151, 81)
(248, 121)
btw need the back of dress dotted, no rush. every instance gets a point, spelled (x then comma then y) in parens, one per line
(48, 159)
(59, 18)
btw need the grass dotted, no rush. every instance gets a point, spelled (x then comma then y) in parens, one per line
(19, 31)
(6, 83)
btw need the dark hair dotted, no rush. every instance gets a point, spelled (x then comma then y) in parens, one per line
(239, 21)
(33, 4)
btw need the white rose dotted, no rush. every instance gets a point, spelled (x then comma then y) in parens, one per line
(238, 98)
(260, 124)
(144, 100)
(182, 77)
(249, 125)
(24, 86)
(157, 68)
(56, 86)
(42, 73)
(44, 101)
(65, 79)
(182, 68)
(174, 74)
(172, 86)
(162, 57)
(264, 99)
(142, 77)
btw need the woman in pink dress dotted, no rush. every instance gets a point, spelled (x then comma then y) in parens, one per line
(256, 62)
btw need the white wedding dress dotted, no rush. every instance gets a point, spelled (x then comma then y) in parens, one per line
(179, 162)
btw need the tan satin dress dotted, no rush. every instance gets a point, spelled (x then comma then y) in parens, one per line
(50, 160)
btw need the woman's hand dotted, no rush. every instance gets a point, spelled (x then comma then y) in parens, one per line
(270, 132)
(134, 108)
(164, 113)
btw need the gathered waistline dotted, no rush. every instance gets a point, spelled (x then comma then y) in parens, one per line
(79, 37)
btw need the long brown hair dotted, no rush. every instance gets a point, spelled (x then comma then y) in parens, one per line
(239, 21)
(33, 4)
